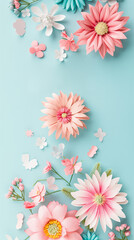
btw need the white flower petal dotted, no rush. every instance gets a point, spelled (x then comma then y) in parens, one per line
(40, 27)
(112, 2)
(37, 11)
(49, 31)
(59, 17)
(59, 26)
(36, 19)
(54, 10)
(44, 8)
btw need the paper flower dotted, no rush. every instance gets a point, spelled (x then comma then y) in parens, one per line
(102, 29)
(29, 133)
(8, 237)
(72, 5)
(110, 2)
(48, 20)
(58, 151)
(37, 193)
(47, 168)
(20, 218)
(37, 49)
(29, 205)
(99, 198)
(51, 185)
(124, 231)
(60, 55)
(89, 236)
(41, 143)
(64, 115)
(92, 151)
(25, 13)
(72, 166)
(54, 222)
(68, 42)
(100, 134)
(20, 26)
(27, 163)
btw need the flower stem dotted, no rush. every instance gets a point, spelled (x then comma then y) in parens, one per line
(27, 237)
(71, 179)
(27, 4)
(60, 176)
(49, 193)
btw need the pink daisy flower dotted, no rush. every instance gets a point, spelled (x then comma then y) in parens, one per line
(72, 166)
(54, 222)
(37, 193)
(99, 198)
(102, 29)
(64, 115)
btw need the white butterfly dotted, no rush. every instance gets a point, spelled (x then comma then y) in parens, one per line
(100, 134)
(10, 238)
(58, 151)
(41, 142)
(27, 163)
(20, 218)
(51, 185)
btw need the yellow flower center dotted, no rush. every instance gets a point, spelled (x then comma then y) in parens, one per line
(64, 115)
(99, 199)
(101, 28)
(53, 229)
(38, 192)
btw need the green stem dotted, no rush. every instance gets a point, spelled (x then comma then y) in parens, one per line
(49, 193)
(71, 179)
(31, 211)
(27, 237)
(60, 176)
(28, 4)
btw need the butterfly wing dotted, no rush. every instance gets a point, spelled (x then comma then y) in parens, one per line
(25, 160)
(33, 163)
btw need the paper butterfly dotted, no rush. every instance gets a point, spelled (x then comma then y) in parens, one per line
(58, 151)
(51, 185)
(100, 134)
(41, 142)
(20, 26)
(92, 151)
(37, 49)
(20, 218)
(27, 163)
(10, 238)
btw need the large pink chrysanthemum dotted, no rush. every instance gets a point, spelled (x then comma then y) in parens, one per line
(99, 198)
(64, 115)
(54, 222)
(102, 29)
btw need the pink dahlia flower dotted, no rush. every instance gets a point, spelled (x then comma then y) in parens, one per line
(54, 222)
(37, 194)
(99, 198)
(64, 115)
(72, 166)
(102, 29)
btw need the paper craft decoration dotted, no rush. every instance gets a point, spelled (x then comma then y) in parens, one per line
(29, 133)
(102, 29)
(47, 20)
(110, 2)
(60, 55)
(72, 166)
(20, 218)
(68, 42)
(37, 49)
(64, 115)
(25, 13)
(72, 5)
(41, 143)
(51, 185)
(37, 193)
(20, 26)
(10, 238)
(92, 151)
(58, 151)
(27, 163)
(100, 134)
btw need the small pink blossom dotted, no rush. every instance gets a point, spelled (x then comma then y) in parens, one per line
(29, 205)
(8, 195)
(29, 133)
(47, 168)
(11, 189)
(16, 4)
(72, 166)
(111, 235)
(21, 187)
(117, 228)
(20, 180)
(37, 49)
(14, 182)
(127, 233)
(123, 226)
(37, 194)
(68, 42)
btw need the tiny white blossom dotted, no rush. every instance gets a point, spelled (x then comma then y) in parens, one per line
(26, 13)
(41, 142)
(60, 55)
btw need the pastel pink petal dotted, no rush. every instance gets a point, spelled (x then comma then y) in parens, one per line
(44, 215)
(74, 236)
(34, 43)
(117, 35)
(39, 54)
(34, 224)
(59, 212)
(114, 8)
(95, 13)
(64, 44)
(28, 232)
(71, 213)
(71, 224)
(38, 236)
(51, 206)
(32, 50)
(42, 47)
(103, 50)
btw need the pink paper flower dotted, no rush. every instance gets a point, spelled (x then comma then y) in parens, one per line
(21, 187)
(37, 49)
(72, 166)
(54, 222)
(102, 29)
(16, 4)
(68, 42)
(37, 194)
(64, 115)
(29, 133)
(47, 168)
(29, 205)
(99, 198)
(111, 235)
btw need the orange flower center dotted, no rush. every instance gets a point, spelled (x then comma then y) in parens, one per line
(101, 28)
(53, 229)
(99, 199)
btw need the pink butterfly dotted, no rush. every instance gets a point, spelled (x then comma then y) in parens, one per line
(37, 49)
(92, 151)
(51, 185)
(68, 42)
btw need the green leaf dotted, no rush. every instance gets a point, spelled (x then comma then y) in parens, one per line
(109, 172)
(67, 191)
(96, 167)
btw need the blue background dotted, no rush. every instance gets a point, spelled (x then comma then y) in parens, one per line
(107, 87)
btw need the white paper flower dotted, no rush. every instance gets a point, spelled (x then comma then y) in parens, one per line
(41, 142)
(58, 151)
(110, 2)
(60, 55)
(10, 238)
(26, 13)
(100, 134)
(48, 20)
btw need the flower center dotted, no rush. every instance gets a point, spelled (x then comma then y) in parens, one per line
(38, 192)
(99, 199)
(101, 28)
(48, 20)
(64, 115)
(53, 229)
